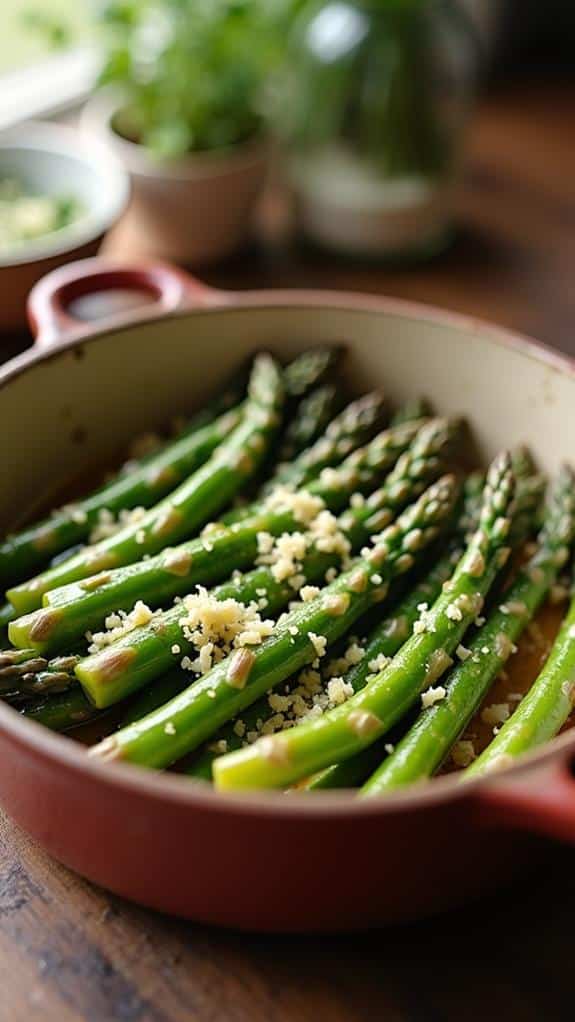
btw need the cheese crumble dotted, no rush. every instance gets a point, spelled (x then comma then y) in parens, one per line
(119, 625)
(108, 524)
(319, 643)
(432, 696)
(301, 504)
(463, 753)
(215, 628)
(497, 713)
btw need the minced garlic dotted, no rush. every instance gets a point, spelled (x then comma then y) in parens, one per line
(215, 628)
(497, 713)
(432, 696)
(118, 625)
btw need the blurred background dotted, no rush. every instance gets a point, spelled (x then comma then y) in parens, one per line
(414, 147)
(518, 31)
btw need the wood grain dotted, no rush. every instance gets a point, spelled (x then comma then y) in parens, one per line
(71, 953)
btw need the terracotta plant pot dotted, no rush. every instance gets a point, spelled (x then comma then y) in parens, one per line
(261, 860)
(196, 209)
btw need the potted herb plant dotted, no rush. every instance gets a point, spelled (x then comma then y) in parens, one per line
(182, 108)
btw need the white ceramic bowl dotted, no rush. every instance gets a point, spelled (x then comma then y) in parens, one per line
(53, 159)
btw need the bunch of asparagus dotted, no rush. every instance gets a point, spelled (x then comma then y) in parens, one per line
(383, 534)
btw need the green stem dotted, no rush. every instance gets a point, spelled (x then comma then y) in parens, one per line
(188, 507)
(422, 750)
(130, 663)
(421, 661)
(388, 637)
(176, 729)
(414, 469)
(72, 610)
(309, 422)
(354, 427)
(62, 712)
(544, 710)
(141, 486)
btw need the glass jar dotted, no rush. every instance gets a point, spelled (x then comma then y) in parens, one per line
(376, 96)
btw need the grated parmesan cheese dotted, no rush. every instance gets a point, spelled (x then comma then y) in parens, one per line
(319, 643)
(463, 753)
(338, 691)
(497, 713)
(432, 696)
(378, 663)
(302, 505)
(515, 608)
(108, 524)
(215, 628)
(119, 625)
(454, 612)
(341, 665)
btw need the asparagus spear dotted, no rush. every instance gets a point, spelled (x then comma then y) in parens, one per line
(154, 475)
(308, 369)
(186, 508)
(153, 646)
(305, 372)
(23, 673)
(147, 652)
(390, 634)
(304, 410)
(424, 747)
(226, 397)
(421, 661)
(177, 728)
(7, 614)
(311, 418)
(415, 408)
(385, 641)
(354, 427)
(142, 486)
(543, 711)
(413, 471)
(70, 611)
(63, 711)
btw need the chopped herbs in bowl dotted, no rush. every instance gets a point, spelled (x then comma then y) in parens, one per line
(27, 215)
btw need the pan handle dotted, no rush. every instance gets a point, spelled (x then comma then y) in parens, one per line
(72, 301)
(541, 800)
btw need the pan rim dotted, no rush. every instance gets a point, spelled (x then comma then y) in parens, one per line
(178, 789)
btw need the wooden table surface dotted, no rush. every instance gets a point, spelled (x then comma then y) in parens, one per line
(70, 952)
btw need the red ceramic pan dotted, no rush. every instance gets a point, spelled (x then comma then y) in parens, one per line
(266, 861)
